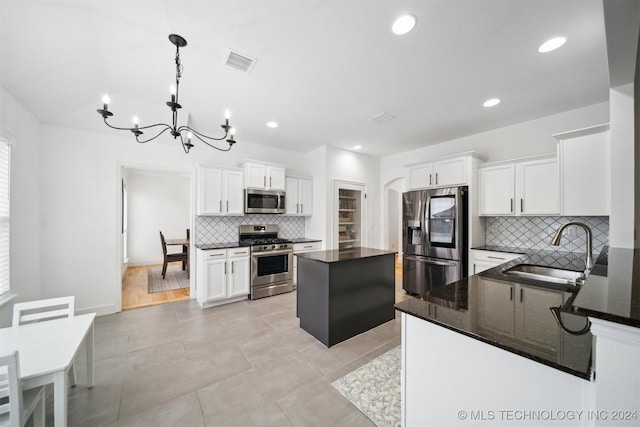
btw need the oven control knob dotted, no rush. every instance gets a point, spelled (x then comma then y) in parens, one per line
(264, 248)
(273, 247)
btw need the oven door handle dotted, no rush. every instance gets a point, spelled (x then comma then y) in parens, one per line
(269, 253)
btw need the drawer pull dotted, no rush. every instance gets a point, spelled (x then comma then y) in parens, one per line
(496, 257)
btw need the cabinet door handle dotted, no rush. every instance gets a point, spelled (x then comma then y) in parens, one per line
(227, 206)
(225, 268)
(269, 181)
(474, 268)
(220, 205)
(301, 208)
(231, 267)
(511, 294)
(264, 181)
(436, 178)
(521, 295)
(511, 205)
(435, 311)
(297, 208)
(521, 205)
(429, 179)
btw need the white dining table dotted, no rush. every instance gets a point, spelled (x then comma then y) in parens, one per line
(47, 350)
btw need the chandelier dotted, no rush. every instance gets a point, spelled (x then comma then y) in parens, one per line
(185, 133)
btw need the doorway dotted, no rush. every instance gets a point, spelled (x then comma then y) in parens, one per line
(393, 214)
(153, 201)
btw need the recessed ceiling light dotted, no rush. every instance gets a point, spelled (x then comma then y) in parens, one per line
(552, 44)
(357, 147)
(404, 24)
(491, 102)
(272, 125)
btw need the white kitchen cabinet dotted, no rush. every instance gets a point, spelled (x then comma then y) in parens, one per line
(585, 169)
(521, 187)
(213, 285)
(264, 176)
(441, 173)
(497, 189)
(223, 276)
(483, 260)
(535, 324)
(220, 192)
(299, 196)
(299, 248)
(238, 274)
(538, 187)
(520, 312)
(496, 307)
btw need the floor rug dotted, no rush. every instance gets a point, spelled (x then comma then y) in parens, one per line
(374, 388)
(174, 279)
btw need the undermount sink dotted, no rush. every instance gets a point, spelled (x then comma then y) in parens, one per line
(547, 274)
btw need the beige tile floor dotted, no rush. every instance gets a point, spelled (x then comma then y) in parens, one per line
(241, 364)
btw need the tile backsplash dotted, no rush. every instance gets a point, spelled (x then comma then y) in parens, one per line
(223, 229)
(536, 232)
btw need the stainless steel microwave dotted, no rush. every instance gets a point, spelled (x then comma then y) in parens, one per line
(263, 201)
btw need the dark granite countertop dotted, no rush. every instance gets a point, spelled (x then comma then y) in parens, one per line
(305, 240)
(337, 255)
(469, 296)
(612, 289)
(225, 245)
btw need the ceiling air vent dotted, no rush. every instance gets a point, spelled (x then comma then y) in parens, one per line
(239, 61)
(382, 117)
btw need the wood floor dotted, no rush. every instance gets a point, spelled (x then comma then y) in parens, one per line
(134, 290)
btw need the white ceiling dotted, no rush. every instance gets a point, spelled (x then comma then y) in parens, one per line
(325, 67)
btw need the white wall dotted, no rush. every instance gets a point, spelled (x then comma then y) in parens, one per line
(327, 164)
(80, 170)
(622, 171)
(25, 201)
(157, 202)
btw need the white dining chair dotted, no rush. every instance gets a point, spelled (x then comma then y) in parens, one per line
(21, 405)
(46, 309)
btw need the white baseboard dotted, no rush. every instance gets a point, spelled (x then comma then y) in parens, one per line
(99, 310)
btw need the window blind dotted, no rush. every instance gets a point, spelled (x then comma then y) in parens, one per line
(5, 166)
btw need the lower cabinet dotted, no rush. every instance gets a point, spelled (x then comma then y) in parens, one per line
(483, 260)
(222, 276)
(299, 248)
(520, 312)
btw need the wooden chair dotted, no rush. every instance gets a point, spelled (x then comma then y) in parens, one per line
(46, 309)
(180, 256)
(21, 405)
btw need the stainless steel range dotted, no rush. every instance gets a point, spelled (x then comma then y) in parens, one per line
(271, 260)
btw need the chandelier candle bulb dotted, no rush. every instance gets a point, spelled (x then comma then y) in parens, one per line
(173, 128)
(105, 102)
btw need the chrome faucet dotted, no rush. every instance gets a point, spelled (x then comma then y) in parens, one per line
(556, 241)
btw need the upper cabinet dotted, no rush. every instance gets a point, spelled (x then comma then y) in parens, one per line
(585, 169)
(263, 176)
(298, 196)
(450, 171)
(219, 191)
(523, 187)
(538, 187)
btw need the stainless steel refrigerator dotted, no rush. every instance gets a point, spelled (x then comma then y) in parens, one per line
(434, 238)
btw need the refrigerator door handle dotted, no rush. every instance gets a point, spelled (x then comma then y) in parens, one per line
(431, 261)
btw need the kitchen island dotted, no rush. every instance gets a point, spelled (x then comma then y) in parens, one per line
(508, 362)
(342, 293)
